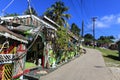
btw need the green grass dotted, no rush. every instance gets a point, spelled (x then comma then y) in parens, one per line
(29, 65)
(110, 57)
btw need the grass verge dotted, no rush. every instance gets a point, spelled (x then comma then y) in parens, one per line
(29, 65)
(110, 57)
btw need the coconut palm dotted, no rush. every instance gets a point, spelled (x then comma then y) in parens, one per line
(33, 11)
(57, 13)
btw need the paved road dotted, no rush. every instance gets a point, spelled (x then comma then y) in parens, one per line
(89, 66)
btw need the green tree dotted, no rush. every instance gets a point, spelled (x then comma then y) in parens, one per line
(88, 39)
(57, 13)
(75, 29)
(33, 12)
(105, 40)
(88, 36)
(63, 38)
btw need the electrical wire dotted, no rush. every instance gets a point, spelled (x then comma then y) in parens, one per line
(7, 6)
(32, 4)
(21, 56)
(83, 13)
(74, 7)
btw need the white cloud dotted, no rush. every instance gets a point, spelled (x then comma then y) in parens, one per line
(108, 18)
(100, 24)
(118, 20)
(118, 36)
(107, 21)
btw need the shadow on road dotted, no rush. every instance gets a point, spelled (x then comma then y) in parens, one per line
(113, 57)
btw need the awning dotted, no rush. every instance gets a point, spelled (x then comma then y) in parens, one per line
(30, 31)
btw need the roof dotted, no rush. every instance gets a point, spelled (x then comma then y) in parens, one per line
(7, 33)
(72, 35)
(48, 19)
(33, 17)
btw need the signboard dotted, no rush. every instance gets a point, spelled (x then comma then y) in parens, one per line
(6, 58)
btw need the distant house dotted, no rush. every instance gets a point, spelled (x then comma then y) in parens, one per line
(113, 46)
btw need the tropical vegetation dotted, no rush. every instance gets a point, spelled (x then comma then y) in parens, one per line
(75, 29)
(111, 57)
(57, 12)
(31, 11)
(88, 39)
(105, 40)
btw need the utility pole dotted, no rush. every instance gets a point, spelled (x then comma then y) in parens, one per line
(82, 33)
(82, 29)
(29, 7)
(94, 19)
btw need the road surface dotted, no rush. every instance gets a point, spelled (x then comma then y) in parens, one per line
(89, 66)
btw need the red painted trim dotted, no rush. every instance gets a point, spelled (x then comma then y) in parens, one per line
(21, 50)
(10, 48)
(20, 74)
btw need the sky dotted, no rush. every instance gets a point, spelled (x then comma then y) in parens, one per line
(107, 12)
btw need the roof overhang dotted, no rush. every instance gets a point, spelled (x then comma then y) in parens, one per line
(33, 17)
(51, 21)
(9, 34)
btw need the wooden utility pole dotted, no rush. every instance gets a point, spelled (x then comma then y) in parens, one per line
(94, 19)
(82, 29)
(29, 7)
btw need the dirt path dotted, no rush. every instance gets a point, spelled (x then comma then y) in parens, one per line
(89, 66)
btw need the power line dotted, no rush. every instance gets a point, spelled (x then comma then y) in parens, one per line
(7, 7)
(84, 13)
(80, 4)
(23, 55)
(74, 7)
(32, 4)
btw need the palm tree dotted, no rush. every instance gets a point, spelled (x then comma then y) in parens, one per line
(57, 13)
(33, 12)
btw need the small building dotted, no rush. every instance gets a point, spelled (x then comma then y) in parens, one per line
(39, 30)
(11, 45)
